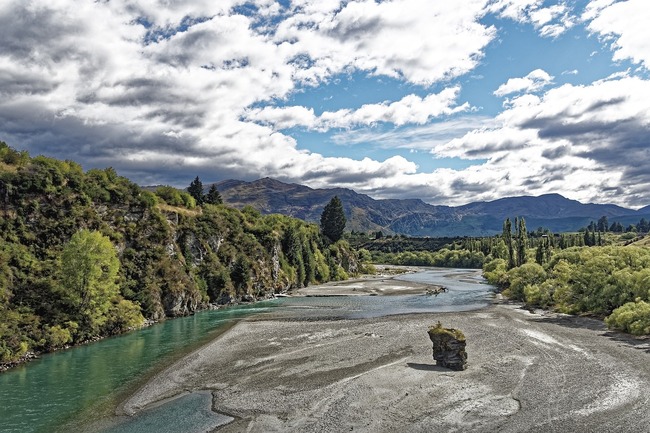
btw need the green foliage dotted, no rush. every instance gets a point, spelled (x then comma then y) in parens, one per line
(123, 316)
(89, 270)
(632, 317)
(438, 329)
(521, 277)
(213, 196)
(176, 197)
(148, 199)
(196, 190)
(332, 220)
(11, 156)
(453, 258)
(592, 280)
(87, 255)
(495, 271)
(57, 336)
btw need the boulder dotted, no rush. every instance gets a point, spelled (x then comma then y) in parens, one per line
(448, 347)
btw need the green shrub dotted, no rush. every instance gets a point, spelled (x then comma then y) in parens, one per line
(495, 271)
(170, 195)
(56, 336)
(520, 277)
(632, 317)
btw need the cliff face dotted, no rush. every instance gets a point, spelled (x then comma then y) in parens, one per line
(173, 260)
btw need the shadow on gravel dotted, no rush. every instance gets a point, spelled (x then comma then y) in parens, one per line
(639, 343)
(426, 367)
(574, 322)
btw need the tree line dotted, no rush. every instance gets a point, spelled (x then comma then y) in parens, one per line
(612, 282)
(88, 254)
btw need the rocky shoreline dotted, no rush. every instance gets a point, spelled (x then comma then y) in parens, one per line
(526, 371)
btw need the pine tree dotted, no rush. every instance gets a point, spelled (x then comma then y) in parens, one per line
(332, 220)
(213, 196)
(196, 190)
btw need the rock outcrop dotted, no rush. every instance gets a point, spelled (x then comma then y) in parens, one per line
(448, 347)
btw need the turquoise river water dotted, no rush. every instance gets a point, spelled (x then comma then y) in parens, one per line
(89, 381)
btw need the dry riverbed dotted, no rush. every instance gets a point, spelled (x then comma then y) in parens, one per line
(526, 372)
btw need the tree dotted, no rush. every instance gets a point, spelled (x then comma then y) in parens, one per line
(603, 224)
(540, 252)
(522, 241)
(507, 239)
(213, 196)
(90, 267)
(196, 190)
(332, 220)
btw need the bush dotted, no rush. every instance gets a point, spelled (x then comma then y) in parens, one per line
(123, 316)
(520, 277)
(632, 317)
(495, 271)
(57, 336)
(148, 199)
(170, 195)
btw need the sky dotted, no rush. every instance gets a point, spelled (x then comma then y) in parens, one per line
(447, 101)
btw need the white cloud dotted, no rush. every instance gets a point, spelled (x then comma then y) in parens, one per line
(583, 141)
(417, 40)
(164, 91)
(410, 109)
(421, 137)
(532, 82)
(626, 23)
(549, 21)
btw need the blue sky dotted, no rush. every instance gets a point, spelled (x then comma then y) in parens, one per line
(450, 102)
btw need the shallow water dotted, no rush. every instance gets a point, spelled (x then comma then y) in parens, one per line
(193, 409)
(466, 290)
(89, 381)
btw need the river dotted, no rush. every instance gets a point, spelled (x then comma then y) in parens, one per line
(90, 380)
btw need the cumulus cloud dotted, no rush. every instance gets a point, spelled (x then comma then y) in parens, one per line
(164, 91)
(415, 40)
(158, 88)
(551, 21)
(410, 109)
(532, 82)
(625, 23)
(582, 139)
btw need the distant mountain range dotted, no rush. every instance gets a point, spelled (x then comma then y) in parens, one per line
(414, 217)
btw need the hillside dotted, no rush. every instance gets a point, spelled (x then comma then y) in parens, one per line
(413, 217)
(84, 255)
(363, 212)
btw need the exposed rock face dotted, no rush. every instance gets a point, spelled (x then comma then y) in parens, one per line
(448, 347)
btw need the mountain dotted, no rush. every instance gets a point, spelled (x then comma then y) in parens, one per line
(544, 206)
(363, 212)
(414, 217)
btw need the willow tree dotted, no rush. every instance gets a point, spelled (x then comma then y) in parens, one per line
(90, 267)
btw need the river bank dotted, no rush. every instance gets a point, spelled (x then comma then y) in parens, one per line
(526, 372)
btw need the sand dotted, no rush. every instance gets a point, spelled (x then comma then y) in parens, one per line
(540, 372)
